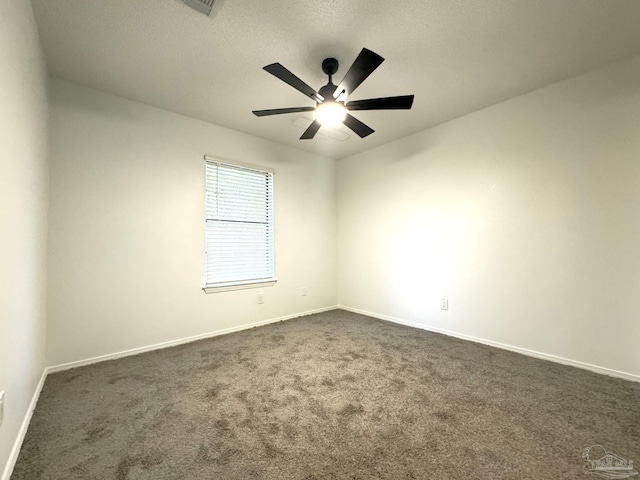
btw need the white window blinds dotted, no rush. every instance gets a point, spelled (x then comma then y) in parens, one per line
(239, 225)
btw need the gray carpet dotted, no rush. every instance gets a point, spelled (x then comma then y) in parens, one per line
(328, 396)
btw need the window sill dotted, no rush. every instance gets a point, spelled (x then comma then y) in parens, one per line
(243, 286)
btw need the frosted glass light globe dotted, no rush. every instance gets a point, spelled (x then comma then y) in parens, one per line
(330, 113)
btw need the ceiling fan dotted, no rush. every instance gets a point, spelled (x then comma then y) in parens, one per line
(332, 106)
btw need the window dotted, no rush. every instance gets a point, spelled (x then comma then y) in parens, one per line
(238, 225)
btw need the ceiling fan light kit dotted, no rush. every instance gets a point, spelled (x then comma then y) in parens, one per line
(332, 106)
(330, 113)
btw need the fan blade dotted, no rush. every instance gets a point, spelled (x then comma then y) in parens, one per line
(310, 132)
(389, 103)
(357, 126)
(279, 111)
(362, 67)
(286, 76)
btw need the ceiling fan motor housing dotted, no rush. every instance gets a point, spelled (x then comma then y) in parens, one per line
(327, 93)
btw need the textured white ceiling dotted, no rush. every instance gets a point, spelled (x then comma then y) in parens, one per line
(456, 56)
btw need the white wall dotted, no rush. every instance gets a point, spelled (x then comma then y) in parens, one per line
(524, 215)
(126, 239)
(23, 215)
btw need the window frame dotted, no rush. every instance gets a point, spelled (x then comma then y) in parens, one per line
(241, 284)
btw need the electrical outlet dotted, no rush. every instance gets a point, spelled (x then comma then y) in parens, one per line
(304, 291)
(444, 304)
(261, 298)
(1, 406)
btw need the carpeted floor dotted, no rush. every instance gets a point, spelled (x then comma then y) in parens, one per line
(329, 396)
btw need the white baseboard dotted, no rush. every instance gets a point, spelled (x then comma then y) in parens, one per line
(180, 341)
(524, 351)
(17, 445)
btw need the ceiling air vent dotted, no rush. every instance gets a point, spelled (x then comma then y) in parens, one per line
(203, 6)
